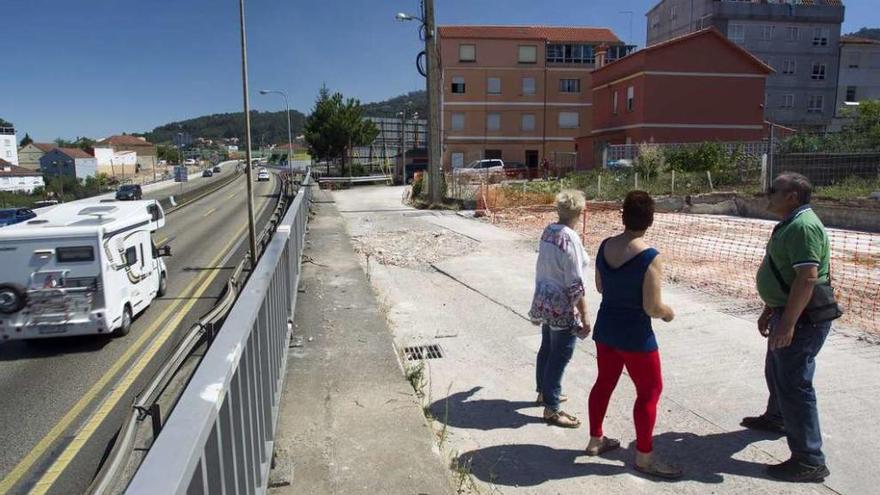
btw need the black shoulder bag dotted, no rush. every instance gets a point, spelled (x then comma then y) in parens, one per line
(822, 306)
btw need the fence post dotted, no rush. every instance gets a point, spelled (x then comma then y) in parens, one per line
(605, 156)
(770, 150)
(673, 183)
(709, 176)
(599, 186)
(764, 173)
(637, 180)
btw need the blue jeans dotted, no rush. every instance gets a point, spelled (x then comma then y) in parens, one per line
(789, 372)
(557, 347)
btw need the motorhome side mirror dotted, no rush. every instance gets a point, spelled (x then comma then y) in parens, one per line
(165, 251)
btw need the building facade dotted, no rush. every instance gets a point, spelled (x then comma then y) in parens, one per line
(8, 145)
(517, 93)
(693, 88)
(70, 162)
(30, 154)
(18, 179)
(859, 78)
(147, 154)
(115, 163)
(798, 38)
(393, 133)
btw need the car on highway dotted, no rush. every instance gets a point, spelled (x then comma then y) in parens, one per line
(217, 169)
(129, 192)
(207, 173)
(189, 161)
(11, 216)
(262, 175)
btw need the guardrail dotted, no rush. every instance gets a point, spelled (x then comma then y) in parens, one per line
(220, 435)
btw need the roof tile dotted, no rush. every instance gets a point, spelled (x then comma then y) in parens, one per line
(545, 33)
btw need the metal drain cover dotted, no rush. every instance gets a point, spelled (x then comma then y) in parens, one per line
(420, 352)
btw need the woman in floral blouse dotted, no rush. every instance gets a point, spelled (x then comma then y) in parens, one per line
(559, 305)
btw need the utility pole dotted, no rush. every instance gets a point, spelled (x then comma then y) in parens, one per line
(252, 233)
(434, 152)
(403, 141)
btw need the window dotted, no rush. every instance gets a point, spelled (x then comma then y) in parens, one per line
(528, 54)
(789, 67)
(458, 122)
(820, 36)
(853, 61)
(736, 33)
(569, 85)
(467, 53)
(528, 122)
(672, 13)
(570, 54)
(493, 85)
(457, 159)
(768, 31)
(851, 94)
(614, 103)
(531, 158)
(74, 254)
(493, 121)
(630, 98)
(792, 33)
(528, 86)
(788, 101)
(816, 104)
(131, 256)
(458, 85)
(655, 22)
(569, 120)
(818, 72)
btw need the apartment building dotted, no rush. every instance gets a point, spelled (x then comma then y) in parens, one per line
(798, 38)
(518, 93)
(859, 77)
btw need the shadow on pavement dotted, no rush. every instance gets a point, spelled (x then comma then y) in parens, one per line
(45, 348)
(489, 414)
(705, 459)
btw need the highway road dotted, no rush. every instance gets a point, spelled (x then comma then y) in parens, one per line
(62, 400)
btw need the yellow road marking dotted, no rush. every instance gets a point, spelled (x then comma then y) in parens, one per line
(212, 210)
(119, 391)
(233, 195)
(27, 462)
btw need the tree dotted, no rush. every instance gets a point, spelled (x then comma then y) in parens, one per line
(336, 125)
(5, 123)
(873, 33)
(865, 124)
(26, 140)
(84, 143)
(63, 143)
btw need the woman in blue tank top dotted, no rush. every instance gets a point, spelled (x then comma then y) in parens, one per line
(628, 275)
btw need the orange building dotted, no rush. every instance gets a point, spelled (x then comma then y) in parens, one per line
(697, 87)
(518, 93)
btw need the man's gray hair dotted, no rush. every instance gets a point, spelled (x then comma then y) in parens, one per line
(797, 183)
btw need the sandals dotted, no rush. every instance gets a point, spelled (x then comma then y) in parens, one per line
(540, 400)
(660, 469)
(608, 444)
(561, 419)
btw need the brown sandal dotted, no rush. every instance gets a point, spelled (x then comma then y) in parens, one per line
(561, 419)
(660, 469)
(607, 445)
(540, 400)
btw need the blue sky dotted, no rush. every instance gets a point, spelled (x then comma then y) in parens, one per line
(99, 67)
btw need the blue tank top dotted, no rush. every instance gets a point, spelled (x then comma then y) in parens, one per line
(622, 322)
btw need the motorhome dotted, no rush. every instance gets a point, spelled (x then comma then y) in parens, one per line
(80, 268)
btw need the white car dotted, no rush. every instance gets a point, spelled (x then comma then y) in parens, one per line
(488, 166)
(262, 175)
(189, 161)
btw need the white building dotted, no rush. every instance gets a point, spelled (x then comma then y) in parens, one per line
(8, 145)
(116, 163)
(18, 179)
(859, 78)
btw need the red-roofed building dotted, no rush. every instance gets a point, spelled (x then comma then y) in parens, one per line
(18, 179)
(72, 162)
(519, 93)
(30, 154)
(693, 88)
(146, 151)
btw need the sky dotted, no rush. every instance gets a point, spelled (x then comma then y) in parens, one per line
(101, 67)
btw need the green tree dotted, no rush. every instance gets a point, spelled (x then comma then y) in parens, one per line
(336, 125)
(317, 127)
(63, 143)
(5, 123)
(84, 143)
(26, 140)
(168, 153)
(864, 129)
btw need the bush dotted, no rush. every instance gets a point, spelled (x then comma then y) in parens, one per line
(418, 185)
(702, 157)
(650, 161)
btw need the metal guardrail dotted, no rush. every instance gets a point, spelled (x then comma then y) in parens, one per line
(220, 435)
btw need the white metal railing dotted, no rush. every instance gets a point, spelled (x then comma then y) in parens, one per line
(219, 437)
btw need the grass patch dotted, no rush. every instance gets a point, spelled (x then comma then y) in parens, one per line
(849, 188)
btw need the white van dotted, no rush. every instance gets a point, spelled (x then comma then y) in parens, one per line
(80, 269)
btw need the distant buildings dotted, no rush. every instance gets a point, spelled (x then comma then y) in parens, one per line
(70, 162)
(147, 154)
(798, 38)
(519, 93)
(696, 87)
(859, 78)
(19, 179)
(115, 163)
(30, 154)
(8, 145)
(393, 132)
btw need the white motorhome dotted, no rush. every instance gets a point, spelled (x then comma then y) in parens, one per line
(80, 269)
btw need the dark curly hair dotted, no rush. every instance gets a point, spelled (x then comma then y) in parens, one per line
(638, 211)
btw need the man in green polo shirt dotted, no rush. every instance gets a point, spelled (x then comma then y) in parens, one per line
(800, 252)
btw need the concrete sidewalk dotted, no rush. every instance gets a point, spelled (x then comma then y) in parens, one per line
(472, 303)
(349, 420)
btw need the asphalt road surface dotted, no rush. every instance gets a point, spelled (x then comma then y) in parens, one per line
(62, 400)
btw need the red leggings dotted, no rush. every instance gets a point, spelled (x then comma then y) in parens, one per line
(644, 369)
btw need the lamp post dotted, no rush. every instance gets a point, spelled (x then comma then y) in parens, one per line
(289, 132)
(252, 233)
(434, 152)
(402, 116)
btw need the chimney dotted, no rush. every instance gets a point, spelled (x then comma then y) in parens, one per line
(601, 53)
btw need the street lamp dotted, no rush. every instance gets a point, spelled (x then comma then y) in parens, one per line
(289, 133)
(252, 232)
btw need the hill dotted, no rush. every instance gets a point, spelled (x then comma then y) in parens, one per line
(873, 33)
(391, 106)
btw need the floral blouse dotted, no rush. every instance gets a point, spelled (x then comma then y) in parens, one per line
(559, 277)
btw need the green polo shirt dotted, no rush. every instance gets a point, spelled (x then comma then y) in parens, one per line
(799, 240)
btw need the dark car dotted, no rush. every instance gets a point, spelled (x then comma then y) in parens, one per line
(129, 192)
(207, 173)
(217, 169)
(9, 216)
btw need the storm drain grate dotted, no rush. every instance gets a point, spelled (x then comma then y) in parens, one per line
(420, 352)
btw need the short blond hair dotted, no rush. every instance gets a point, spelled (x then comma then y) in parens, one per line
(570, 204)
